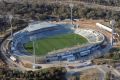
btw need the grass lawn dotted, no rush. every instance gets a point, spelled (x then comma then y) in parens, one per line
(45, 45)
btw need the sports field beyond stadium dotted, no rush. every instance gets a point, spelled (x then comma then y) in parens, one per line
(45, 45)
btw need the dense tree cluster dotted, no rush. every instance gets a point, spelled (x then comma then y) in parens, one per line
(16, 23)
(54, 12)
(104, 2)
(50, 11)
(114, 54)
(45, 74)
(3, 25)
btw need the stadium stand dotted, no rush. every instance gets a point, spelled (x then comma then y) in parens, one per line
(91, 35)
(39, 30)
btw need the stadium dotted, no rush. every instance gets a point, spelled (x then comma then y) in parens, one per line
(54, 42)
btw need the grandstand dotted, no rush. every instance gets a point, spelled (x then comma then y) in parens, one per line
(43, 30)
(91, 35)
(39, 32)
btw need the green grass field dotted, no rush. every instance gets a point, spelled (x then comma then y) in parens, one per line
(46, 45)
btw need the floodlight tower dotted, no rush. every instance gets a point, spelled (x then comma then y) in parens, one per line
(71, 9)
(112, 23)
(33, 54)
(33, 45)
(10, 19)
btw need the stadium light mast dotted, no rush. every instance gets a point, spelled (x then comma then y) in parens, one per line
(33, 45)
(112, 23)
(33, 54)
(71, 10)
(10, 19)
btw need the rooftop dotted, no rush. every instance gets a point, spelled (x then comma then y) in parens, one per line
(38, 25)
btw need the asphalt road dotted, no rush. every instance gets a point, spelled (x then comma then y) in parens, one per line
(103, 73)
(102, 68)
(4, 53)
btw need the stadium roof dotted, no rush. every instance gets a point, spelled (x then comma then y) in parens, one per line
(38, 25)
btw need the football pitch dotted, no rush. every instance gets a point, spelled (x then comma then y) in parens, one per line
(45, 45)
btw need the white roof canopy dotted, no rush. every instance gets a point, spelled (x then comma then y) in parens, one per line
(38, 25)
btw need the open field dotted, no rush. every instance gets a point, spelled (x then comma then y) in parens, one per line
(92, 74)
(43, 46)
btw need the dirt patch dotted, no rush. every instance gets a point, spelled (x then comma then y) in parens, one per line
(92, 74)
(26, 64)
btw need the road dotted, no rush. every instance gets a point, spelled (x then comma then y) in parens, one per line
(113, 70)
(12, 64)
(102, 68)
(103, 73)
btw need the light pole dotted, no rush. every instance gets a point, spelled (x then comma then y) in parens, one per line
(112, 23)
(33, 53)
(71, 9)
(10, 19)
(33, 45)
